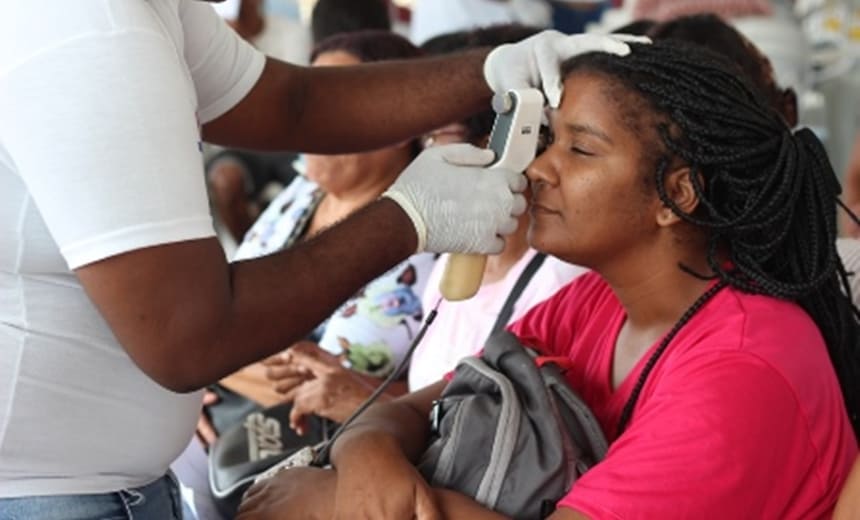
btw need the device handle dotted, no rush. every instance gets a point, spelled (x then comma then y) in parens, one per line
(514, 141)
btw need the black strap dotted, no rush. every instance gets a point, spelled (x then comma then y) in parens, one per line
(522, 282)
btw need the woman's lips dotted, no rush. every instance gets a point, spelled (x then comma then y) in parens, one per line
(537, 209)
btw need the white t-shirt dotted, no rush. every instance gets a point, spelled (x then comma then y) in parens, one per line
(99, 155)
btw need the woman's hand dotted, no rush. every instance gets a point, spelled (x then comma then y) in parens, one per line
(286, 375)
(376, 481)
(205, 431)
(304, 493)
(333, 392)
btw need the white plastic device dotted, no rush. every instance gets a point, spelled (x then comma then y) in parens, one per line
(514, 140)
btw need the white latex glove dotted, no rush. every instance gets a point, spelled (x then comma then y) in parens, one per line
(456, 205)
(536, 61)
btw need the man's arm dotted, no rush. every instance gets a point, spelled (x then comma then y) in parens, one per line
(188, 318)
(348, 109)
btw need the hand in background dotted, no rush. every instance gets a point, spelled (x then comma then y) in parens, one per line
(286, 375)
(205, 431)
(333, 392)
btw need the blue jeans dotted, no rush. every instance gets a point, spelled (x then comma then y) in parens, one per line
(156, 501)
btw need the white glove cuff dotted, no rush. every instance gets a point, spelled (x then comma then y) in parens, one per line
(414, 216)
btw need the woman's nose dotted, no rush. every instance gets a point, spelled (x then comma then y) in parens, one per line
(539, 171)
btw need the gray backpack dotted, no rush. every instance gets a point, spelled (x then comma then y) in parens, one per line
(509, 432)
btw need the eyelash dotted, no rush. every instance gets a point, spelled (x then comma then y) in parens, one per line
(546, 138)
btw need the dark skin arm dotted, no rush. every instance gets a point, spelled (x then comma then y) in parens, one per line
(354, 108)
(180, 309)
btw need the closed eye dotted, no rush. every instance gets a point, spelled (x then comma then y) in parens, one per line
(580, 151)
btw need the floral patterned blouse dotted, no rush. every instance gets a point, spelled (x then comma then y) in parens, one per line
(372, 330)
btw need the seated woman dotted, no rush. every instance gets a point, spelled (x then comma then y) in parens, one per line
(710, 341)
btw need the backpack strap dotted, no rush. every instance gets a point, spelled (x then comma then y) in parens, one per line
(514, 295)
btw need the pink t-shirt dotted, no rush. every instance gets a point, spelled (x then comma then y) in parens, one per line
(461, 328)
(742, 416)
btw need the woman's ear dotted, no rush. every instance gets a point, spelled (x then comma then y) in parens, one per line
(680, 189)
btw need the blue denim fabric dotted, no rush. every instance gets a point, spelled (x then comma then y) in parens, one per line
(156, 501)
(570, 20)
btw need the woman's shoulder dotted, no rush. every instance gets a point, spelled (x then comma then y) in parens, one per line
(769, 332)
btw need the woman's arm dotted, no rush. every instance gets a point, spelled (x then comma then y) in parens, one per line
(375, 461)
(401, 424)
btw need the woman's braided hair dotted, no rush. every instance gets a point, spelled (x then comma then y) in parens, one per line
(767, 194)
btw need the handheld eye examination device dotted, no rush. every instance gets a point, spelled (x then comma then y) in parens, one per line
(514, 140)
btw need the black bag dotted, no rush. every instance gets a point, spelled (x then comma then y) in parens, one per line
(509, 432)
(230, 409)
(259, 441)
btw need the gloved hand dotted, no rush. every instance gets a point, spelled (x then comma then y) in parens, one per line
(456, 205)
(536, 61)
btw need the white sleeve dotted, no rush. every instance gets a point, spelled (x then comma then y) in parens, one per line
(101, 128)
(224, 66)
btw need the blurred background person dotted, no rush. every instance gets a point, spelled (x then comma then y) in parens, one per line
(243, 183)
